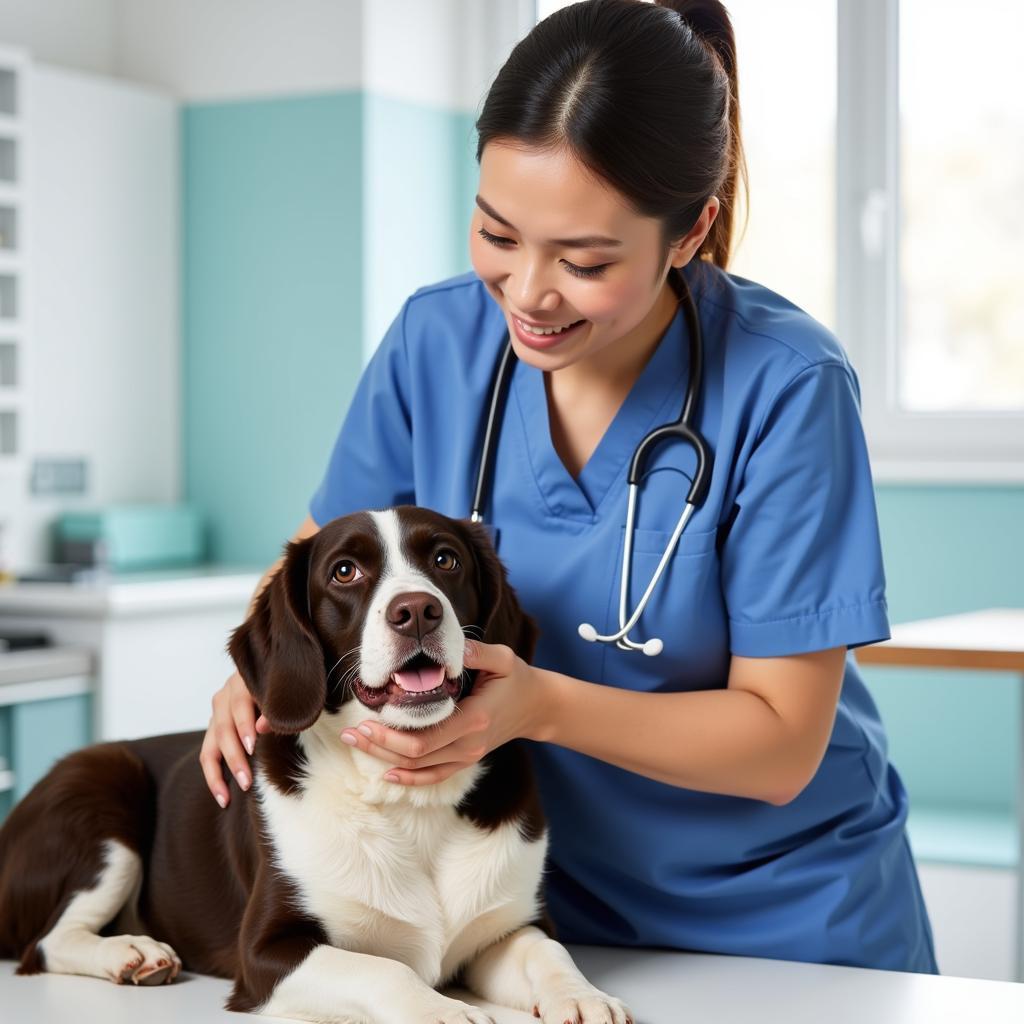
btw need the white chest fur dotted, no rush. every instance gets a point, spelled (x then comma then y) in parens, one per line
(417, 884)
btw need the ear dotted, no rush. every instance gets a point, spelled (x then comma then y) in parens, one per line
(277, 651)
(506, 622)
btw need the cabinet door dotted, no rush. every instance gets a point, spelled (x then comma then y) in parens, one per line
(43, 731)
(6, 774)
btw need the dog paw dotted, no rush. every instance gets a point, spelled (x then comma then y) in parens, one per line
(137, 959)
(581, 1006)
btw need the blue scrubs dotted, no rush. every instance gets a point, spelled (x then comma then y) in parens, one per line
(782, 558)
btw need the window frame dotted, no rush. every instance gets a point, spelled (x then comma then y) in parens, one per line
(940, 447)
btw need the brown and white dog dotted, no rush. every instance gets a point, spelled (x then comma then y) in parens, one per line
(325, 892)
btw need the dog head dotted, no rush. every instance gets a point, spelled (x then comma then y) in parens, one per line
(375, 607)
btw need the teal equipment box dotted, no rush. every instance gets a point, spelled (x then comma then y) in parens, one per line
(129, 537)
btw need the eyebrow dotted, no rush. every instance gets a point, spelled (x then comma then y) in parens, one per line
(586, 242)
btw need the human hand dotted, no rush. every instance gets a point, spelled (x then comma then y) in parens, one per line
(507, 701)
(231, 725)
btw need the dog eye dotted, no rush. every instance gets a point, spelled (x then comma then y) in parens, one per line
(446, 559)
(345, 572)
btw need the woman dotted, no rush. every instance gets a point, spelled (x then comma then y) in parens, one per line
(733, 793)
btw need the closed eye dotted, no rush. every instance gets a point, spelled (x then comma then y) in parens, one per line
(586, 272)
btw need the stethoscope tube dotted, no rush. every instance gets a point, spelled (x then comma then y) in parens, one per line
(682, 428)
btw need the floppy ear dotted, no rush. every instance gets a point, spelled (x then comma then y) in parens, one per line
(277, 651)
(505, 622)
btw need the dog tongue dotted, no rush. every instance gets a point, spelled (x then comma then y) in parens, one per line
(419, 680)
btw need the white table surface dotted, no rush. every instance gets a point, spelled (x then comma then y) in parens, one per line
(660, 987)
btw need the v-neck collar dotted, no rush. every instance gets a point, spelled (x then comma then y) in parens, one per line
(655, 397)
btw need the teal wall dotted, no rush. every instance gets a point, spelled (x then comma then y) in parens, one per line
(280, 279)
(305, 219)
(272, 317)
(953, 736)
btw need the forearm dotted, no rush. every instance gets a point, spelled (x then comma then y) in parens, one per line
(726, 741)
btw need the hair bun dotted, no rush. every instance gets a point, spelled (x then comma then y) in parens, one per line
(709, 20)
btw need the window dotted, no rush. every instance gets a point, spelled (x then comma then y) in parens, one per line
(885, 145)
(786, 62)
(961, 337)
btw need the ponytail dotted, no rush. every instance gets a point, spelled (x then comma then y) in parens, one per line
(709, 21)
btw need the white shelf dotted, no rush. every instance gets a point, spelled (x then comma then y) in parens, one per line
(14, 404)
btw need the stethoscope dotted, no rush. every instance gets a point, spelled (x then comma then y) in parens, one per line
(681, 428)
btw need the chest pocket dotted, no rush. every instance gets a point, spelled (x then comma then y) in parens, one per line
(686, 611)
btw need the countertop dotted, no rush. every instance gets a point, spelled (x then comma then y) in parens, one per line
(44, 663)
(135, 593)
(659, 986)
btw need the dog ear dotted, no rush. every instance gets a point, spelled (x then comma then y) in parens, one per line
(277, 651)
(506, 622)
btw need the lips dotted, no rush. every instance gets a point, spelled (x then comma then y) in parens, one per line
(421, 680)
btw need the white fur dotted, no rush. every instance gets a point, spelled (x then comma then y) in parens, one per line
(417, 884)
(72, 945)
(382, 651)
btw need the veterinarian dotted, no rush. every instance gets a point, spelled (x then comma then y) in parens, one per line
(731, 794)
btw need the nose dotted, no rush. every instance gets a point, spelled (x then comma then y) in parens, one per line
(415, 614)
(531, 291)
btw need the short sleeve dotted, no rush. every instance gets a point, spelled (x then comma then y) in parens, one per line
(802, 562)
(371, 464)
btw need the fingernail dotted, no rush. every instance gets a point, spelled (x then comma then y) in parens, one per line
(391, 777)
(221, 800)
(243, 779)
(347, 737)
(248, 744)
(366, 730)
(469, 649)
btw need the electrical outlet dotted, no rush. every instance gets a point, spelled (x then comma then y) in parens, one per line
(58, 476)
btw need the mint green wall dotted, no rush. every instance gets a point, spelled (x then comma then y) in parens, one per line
(282, 275)
(272, 317)
(278, 285)
(953, 736)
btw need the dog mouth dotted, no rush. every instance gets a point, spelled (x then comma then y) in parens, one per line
(421, 680)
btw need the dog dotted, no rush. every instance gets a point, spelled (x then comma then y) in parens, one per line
(325, 892)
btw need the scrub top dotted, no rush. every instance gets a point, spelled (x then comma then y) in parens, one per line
(782, 558)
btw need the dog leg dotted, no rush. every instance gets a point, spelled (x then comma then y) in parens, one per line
(73, 946)
(346, 987)
(529, 971)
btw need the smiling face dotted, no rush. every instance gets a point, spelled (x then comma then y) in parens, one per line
(556, 246)
(392, 594)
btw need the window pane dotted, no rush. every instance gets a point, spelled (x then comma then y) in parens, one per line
(961, 338)
(786, 59)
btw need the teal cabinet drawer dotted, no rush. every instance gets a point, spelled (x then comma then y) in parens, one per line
(42, 732)
(36, 734)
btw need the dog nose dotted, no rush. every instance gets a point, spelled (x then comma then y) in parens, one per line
(415, 614)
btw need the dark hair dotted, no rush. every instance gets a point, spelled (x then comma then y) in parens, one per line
(644, 95)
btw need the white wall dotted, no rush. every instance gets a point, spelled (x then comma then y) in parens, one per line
(437, 52)
(68, 33)
(230, 49)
